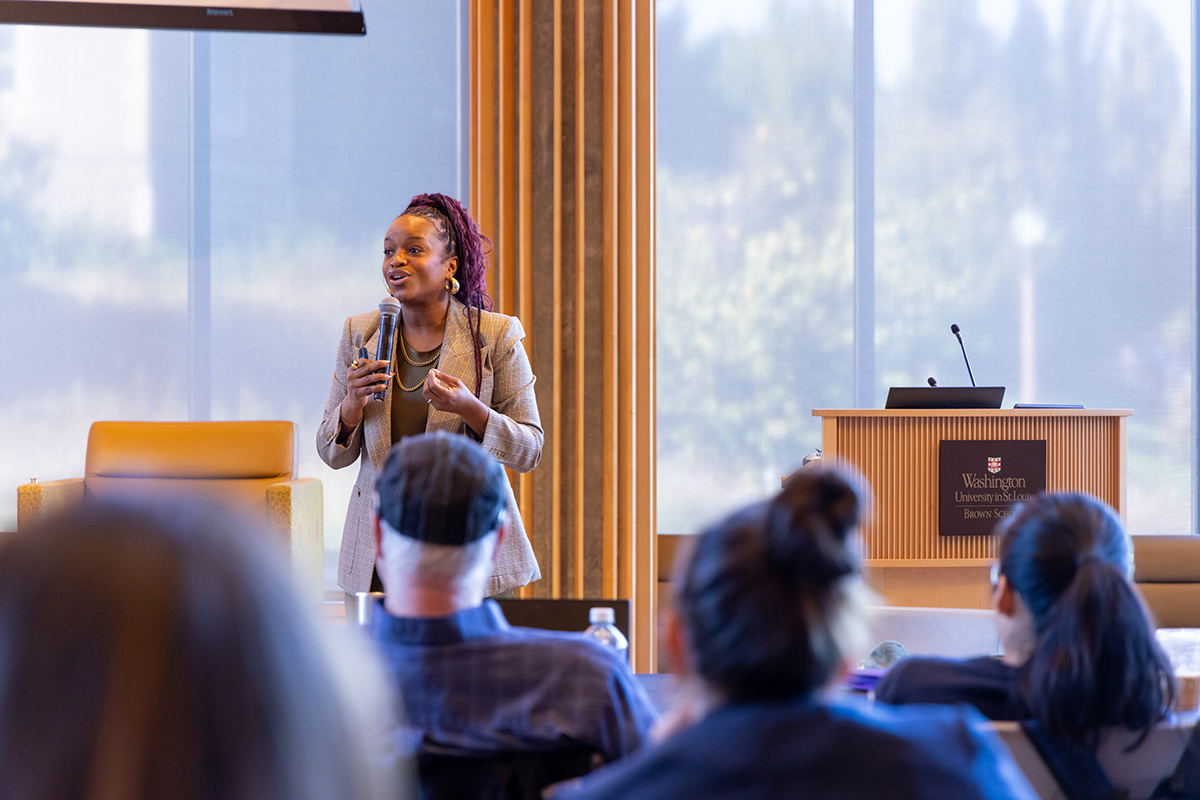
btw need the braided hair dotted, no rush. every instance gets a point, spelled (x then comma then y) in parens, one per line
(460, 235)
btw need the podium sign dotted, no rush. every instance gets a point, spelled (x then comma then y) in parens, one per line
(979, 480)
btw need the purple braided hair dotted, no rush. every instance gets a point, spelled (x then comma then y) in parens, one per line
(461, 237)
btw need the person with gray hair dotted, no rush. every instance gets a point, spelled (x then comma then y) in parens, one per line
(471, 684)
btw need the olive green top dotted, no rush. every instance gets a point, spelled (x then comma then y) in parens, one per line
(410, 410)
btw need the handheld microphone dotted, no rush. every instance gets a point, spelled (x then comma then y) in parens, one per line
(931, 382)
(389, 314)
(954, 330)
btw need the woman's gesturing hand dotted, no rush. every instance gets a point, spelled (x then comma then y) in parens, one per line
(447, 393)
(363, 379)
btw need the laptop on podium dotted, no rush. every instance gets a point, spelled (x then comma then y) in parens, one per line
(945, 397)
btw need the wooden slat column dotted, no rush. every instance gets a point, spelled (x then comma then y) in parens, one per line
(562, 179)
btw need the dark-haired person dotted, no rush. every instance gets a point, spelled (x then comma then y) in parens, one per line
(767, 611)
(1079, 650)
(456, 367)
(154, 651)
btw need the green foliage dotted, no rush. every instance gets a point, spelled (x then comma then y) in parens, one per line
(1062, 157)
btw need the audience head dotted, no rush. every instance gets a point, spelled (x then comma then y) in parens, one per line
(161, 651)
(769, 598)
(440, 507)
(1093, 660)
(461, 237)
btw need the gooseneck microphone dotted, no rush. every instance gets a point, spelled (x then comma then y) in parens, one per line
(389, 313)
(931, 382)
(954, 330)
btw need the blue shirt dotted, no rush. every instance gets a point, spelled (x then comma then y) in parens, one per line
(765, 751)
(472, 684)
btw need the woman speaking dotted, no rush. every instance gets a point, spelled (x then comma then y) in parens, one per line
(455, 366)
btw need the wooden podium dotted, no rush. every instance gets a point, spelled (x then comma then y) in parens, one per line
(907, 562)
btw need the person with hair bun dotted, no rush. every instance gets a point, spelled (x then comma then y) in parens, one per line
(1079, 649)
(455, 367)
(768, 610)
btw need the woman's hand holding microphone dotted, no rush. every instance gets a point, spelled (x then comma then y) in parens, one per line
(363, 379)
(443, 392)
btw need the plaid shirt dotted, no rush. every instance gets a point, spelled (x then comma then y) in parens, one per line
(472, 684)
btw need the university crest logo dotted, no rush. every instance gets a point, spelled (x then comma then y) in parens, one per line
(993, 465)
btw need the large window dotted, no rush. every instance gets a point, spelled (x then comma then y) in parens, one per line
(153, 267)
(1032, 183)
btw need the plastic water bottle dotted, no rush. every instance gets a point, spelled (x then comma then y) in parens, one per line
(602, 630)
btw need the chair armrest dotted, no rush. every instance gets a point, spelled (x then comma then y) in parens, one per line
(36, 499)
(1172, 605)
(296, 515)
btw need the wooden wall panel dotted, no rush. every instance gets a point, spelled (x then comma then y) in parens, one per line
(562, 170)
(643, 570)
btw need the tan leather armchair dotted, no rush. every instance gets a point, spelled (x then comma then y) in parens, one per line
(249, 466)
(669, 545)
(1166, 570)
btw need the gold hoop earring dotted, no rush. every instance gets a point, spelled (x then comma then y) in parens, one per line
(451, 285)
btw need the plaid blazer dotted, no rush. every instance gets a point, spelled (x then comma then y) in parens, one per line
(513, 435)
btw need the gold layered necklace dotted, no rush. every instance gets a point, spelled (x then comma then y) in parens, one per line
(437, 353)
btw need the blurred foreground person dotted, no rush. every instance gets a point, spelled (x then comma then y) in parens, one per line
(489, 708)
(160, 651)
(767, 610)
